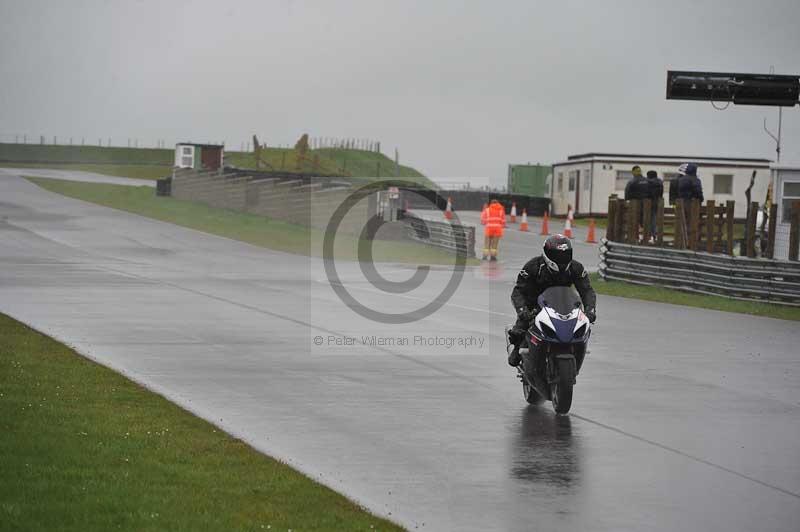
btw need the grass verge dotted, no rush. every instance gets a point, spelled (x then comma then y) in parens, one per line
(676, 297)
(48, 153)
(257, 230)
(85, 449)
(139, 171)
(599, 223)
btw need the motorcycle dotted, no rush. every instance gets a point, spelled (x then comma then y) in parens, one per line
(553, 348)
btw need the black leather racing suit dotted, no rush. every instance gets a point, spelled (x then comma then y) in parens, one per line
(534, 278)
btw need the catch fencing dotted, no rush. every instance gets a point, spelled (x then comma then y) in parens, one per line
(772, 281)
(459, 239)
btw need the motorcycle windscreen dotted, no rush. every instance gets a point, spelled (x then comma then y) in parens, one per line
(562, 299)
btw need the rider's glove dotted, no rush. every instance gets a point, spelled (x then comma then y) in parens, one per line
(591, 314)
(526, 314)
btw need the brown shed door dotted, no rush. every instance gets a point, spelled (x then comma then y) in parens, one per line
(210, 157)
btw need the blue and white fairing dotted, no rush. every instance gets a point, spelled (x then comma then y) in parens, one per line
(561, 318)
(563, 328)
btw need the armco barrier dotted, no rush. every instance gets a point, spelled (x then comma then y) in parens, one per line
(456, 238)
(773, 281)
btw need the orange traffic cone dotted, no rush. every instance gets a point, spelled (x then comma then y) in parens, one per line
(513, 212)
(523, 226)
(545, 228)
(448, 212)
(590, 237)
(568, 223)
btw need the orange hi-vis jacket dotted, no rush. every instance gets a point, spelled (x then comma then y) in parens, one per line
(495, 220)
(484, 215)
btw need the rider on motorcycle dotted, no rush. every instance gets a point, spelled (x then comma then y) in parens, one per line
(554, 267)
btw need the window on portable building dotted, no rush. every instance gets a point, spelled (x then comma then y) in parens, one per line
(187, 156)
(791, 193)
(561, 182)
(723, 184)
(572, 177)
(623, 176)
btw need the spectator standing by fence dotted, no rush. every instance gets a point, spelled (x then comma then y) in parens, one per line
(655, 189)
(637, 188)
(688, 188)
(689, 185)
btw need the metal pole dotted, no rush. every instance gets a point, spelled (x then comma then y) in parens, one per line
(780, 125)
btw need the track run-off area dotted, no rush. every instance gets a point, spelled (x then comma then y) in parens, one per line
(683, 418)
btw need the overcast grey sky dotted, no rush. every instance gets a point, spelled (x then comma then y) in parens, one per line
(461, 90)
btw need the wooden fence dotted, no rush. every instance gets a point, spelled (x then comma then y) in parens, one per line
(688, 225)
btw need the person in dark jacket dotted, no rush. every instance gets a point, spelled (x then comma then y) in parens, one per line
(554, 267)
(637, 188)
(689, 185)
(655, 192)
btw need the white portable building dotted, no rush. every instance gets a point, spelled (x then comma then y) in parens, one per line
(586, 181)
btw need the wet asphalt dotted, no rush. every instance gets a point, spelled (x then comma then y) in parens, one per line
(682, 418)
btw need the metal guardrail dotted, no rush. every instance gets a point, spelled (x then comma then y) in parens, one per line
(771, 281)
(456, 238)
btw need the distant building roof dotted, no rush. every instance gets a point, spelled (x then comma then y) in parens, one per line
(640, 157)
(200, 145)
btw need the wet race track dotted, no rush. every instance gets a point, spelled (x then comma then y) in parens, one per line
(683, 419)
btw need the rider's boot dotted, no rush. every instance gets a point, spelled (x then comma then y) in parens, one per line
(514, 358)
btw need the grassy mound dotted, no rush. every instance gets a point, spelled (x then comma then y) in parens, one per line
(350, 164)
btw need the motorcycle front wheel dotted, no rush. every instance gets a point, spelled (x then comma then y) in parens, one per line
(562, 388)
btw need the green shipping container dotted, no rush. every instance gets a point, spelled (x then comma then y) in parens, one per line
(529, 179)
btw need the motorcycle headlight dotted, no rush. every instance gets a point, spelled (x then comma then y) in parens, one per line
(547, 330)
(580, 332)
